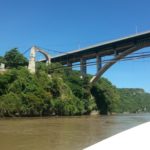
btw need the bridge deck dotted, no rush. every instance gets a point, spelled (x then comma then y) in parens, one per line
(102, 49)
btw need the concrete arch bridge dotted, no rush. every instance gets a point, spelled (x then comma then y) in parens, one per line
(119, 49)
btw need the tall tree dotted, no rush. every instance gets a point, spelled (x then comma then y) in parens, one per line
(2, 60)
(14, 59)
(106, 96)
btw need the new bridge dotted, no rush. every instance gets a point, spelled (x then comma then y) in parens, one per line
(118, 49)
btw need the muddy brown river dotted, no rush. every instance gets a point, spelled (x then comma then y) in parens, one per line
(63, 133)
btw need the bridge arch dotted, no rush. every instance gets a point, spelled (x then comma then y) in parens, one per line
(47, 56)
(118, 57)
(32, 59)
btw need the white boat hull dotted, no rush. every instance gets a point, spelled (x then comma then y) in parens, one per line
(137, 138)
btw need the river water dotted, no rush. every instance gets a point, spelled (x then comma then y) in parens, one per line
(63, 133)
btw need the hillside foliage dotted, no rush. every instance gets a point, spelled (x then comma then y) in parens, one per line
(57, 90)
(134, 100)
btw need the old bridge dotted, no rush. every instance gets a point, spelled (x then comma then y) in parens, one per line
(119, 49)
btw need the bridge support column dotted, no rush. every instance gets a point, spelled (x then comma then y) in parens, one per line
(98, 63)
(31, 65)
(116, 53)
(48, 61)
(69, 64)
(83, 67)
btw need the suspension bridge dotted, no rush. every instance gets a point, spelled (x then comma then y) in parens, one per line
(119, 49)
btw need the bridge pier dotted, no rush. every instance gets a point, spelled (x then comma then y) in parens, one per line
(31, 66)
(69, 64)
(98, 62)
(115, 53)
(83, 68)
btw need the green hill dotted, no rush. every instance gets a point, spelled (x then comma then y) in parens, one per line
(134, 100)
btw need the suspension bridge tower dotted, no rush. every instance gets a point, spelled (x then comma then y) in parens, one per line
(32, 60)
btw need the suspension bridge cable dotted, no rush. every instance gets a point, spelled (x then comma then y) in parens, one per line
(52, 50)
(26, 51)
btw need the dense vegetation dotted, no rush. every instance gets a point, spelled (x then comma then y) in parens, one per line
(14, 59)
(61, 93)
(134, 100)
(57, 90)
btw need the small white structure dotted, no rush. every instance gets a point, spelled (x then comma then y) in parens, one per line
(137, 138)
(2, 67)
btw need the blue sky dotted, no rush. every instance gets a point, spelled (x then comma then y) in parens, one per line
(63, 25)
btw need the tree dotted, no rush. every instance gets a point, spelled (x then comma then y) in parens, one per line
(106, 96)
(10, 105)
(14, 59)
(2, 60)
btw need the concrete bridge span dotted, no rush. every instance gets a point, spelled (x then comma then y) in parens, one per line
(119, 49)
